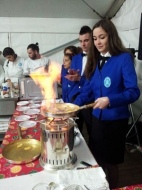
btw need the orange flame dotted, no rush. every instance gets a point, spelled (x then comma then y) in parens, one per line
(47, 80)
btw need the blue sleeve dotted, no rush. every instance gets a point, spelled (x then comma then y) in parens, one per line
(131, 91)
(86, 95)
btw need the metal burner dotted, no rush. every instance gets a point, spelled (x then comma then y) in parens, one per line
(57, 139)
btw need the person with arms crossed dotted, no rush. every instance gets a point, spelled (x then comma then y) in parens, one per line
(111, 76)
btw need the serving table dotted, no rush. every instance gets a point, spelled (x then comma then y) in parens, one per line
(132, 187)
(25, 176)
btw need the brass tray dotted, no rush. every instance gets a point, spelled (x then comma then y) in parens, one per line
(22, 151)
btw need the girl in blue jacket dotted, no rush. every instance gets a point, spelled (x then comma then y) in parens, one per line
(65, 69)
(112, 78)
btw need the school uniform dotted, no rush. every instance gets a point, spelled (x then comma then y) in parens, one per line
(116, 80)
(75, 87)
(64, 83)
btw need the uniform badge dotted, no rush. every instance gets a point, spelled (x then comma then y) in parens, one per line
(20, 64)
(107, 82)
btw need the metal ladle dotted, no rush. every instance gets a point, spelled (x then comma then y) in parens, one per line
(51, 186)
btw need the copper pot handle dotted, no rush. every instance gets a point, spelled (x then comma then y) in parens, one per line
(87, 106)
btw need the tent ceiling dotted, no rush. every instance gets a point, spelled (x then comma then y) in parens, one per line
(88, 9)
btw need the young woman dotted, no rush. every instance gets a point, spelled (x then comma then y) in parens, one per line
(65, 70)
(112, 78)
(73, 50)
(13, 66)
(69, 52)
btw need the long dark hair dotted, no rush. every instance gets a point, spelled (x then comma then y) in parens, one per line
(115, 45)
(75, 50)
(69, 55)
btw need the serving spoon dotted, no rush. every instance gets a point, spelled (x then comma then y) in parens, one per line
(51, 186)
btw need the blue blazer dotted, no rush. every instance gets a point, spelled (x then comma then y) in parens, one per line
(64, 83)
(75, 87)
(118, 81)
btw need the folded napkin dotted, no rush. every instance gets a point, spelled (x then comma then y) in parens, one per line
(4, 119)
(3, 126)
(93, 178)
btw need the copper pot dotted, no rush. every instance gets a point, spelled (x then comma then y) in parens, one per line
(63, 109)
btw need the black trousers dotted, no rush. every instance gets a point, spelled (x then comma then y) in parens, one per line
(107, 140)
(85, 116)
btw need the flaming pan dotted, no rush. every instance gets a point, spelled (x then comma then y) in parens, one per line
(64, 109)
(22, 151)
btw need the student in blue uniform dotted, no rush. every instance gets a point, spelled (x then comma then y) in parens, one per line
(69, 52)
(77, 80)
(65, 70)
(112, 78)
(73, 50)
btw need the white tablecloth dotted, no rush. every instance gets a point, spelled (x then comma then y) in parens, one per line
(26, 182)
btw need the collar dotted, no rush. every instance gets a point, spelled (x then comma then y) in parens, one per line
(105, 55)
(84, 54)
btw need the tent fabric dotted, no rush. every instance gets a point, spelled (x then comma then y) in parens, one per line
(128, 17)
(50, 33)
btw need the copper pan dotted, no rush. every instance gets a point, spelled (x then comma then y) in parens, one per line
(64, 109)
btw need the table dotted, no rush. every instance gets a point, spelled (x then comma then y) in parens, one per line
(18, 176)
(132, 187)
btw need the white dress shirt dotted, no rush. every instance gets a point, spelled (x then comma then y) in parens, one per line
(84, 61)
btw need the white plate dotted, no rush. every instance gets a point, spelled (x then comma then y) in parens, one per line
(32, 111)
(22, 103)
(76, 140)
(22, 118)
(27, 124)
(22, 108)
(35, 106)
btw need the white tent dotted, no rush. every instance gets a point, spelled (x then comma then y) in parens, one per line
(54, 24)
(51, 23)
